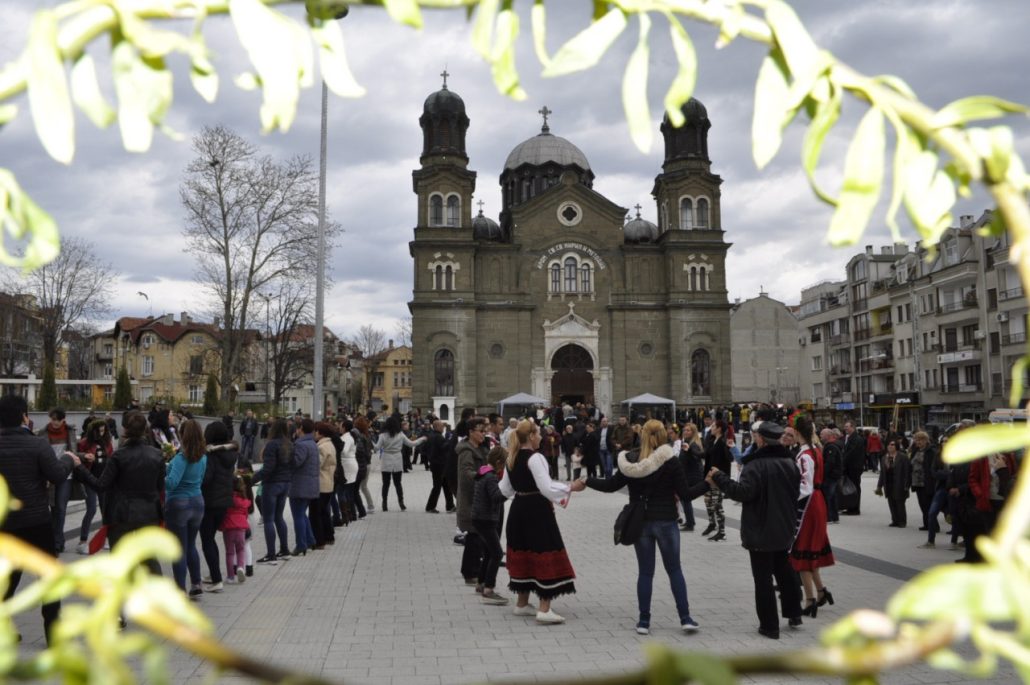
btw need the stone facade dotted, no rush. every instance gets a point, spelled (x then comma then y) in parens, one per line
(562, 297)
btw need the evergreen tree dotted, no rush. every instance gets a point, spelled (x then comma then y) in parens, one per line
(122, 390)
(47, 399)
(211, 396)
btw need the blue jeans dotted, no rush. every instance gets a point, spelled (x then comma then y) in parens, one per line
(937, 505)
(830, 493)
(182, 519)
(273, 504)
(247, 448)
(667, 536)
(301, 523)
(606, 463)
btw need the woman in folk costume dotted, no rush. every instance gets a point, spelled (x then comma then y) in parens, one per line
(811, 550)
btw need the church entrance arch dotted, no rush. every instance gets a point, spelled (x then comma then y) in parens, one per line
(573, 375)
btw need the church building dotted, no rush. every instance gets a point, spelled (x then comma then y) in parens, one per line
(562, 296)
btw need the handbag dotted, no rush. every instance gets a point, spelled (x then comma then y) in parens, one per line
(629, 524)
(847, 487)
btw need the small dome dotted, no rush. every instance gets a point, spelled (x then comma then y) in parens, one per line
(694, 111)
(444, 101)
(639, 230)
(485, 228)
(544, 148)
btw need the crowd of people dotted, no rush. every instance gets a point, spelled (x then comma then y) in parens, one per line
(791, 479)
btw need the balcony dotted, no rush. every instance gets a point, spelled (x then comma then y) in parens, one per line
(1013, 339)
(873, 365)
(966, 303)
(842, 339)
(862, 335)
(962, 387)
(959, 355)
(1010, 294)
(105, 356)
(859, 305)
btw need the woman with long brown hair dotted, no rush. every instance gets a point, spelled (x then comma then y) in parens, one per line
(184, 503)
(536, 559)
(811, 549)
(655, 476)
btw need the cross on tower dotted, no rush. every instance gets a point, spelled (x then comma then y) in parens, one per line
(480, 203)
(545, 113)
(637, 207)
(444, 74)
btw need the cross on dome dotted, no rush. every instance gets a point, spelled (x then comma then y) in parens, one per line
(637, 207)
(480, 203)
(444, 74)
(545, 113)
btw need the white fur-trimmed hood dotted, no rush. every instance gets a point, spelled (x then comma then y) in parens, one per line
(644, 468)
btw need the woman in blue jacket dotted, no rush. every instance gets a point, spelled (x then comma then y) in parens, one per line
(184, 504)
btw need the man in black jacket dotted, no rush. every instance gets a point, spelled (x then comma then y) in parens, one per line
(768, 488)
(833, 471)
(590, 448)
(435, 453)
(854, 463)
(27, 463)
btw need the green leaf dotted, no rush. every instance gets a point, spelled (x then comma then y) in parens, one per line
(897, 85)
(771, 111)
(502, 61)
(144, 93)
(1018, 370)
(704, 668)
(682, 87)
(483, 28)
(7, 113)
(404, 12)
(149, 41)
(929, 192)
(634, 90)
(204, 82)
(538, 22)
(863, 180)
(954, 592)
(586, 48)
(826, 115)
(798, 48)
(333, 58)
(732, 21)
(978, 107)
(995, 146)
(86, 93)
(977, 441)
(23, 217)
(49, 102)
(281, 54)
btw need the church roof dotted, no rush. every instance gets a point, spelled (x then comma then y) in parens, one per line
(485, 228)
(546, 147)
(639, 230)
(442, 101)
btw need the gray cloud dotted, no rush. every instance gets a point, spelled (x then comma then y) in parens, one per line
(128, 204)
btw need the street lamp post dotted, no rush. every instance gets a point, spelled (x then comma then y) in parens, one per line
(268, 340)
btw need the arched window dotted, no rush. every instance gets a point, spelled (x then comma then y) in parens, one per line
(453, 211)
(556, 278)
(443, 371)
(702, 213)
(693, 278)
(436, 211)
(449, 278)
(527, 188)
(686, 213)
(702, 281)
(571, 271)
(438, 279)
(701, 373)
(584, 278)
(445, 412)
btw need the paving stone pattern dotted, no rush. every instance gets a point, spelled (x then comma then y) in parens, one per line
(387, 605)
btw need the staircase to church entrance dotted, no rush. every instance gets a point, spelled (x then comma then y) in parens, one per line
(573, 379)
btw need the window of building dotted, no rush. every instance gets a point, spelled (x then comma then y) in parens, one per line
(686, 213)
(108, 370)
(702, 279)
(436, 211)
(196, 365)
(108, 349)
(438, 278)
(443, 371)
(817, 391)
(453, 211)
(556, 278)
(701, 373)
(571, 269)
(585, 278)
(196, 394)
(396, 379)
(817, 362)
(693, 278)
(197, 339)
(448, 275)
(901, 312)
(147, 364)
(702, 213)
(951, 252)
(858, 270)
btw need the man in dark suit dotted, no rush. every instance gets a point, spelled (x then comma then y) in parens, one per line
(590, 449)
(435, 453)
(854, 463)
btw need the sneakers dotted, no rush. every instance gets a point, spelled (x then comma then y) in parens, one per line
(491, 597)
(249, 571)
(643, 629)
(241, 575)
(549, 617)
(82, 548)
(528, 610)
(479, 588)
(928, 545)
(689, 625)
(196, 591)
(794, 622)
(709, 530)
(215, 587)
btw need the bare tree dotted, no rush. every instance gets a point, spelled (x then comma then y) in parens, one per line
(404, 331)
(371, 342)
(291, 347)
(73, 289)
(250, 221)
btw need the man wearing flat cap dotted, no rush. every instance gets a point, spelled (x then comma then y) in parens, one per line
(768, 488)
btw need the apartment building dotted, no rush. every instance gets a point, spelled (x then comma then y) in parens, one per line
(389, 376)
(764, 346)
(916, 338)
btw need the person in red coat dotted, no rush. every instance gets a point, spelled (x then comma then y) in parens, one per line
(811, 550)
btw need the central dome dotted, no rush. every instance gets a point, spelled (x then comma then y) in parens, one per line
(546, 148)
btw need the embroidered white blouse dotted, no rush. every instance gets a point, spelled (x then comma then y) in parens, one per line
(553, 490)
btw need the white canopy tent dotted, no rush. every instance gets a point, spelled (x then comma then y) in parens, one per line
(649, 400)
(521, 399)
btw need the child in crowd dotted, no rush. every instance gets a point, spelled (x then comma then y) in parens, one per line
(245, 470)
(234, 530)
(487, 505)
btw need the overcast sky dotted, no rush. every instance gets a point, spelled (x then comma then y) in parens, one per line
(129, 204)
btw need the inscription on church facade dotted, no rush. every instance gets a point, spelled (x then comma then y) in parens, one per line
(562, 247)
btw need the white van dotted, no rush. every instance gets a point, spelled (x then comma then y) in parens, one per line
(1007, 416)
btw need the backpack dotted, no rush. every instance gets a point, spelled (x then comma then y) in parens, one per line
(362, 448)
